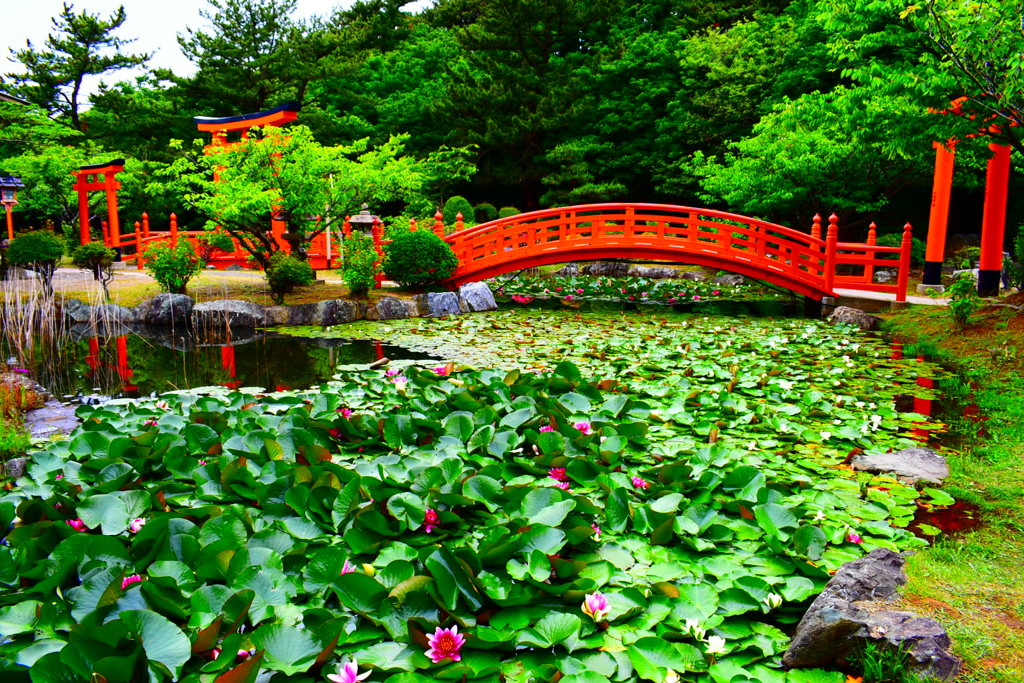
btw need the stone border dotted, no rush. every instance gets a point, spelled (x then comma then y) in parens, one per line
(180, 311)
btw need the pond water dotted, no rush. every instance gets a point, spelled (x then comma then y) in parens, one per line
(148, 361)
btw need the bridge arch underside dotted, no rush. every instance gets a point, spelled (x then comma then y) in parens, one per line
(786, 276)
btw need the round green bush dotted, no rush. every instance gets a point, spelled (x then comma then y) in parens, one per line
(38, 251)
(94, 257)
(485, 212)
(285, 273)
(456, 205)
(506, 211)
(360, 263)
(173, 267)
(414, 259)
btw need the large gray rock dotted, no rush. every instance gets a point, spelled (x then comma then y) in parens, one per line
(654, 272)
(730, 280)
(607, 269)
(278, 315)
(439, 304)
(14, 468)
(884, 277)
(569, 270)
(326, 313)
(387, 308)
(694, 275)
(476, 296)
(77, 311)
(53, 418)
(210, 315)
(910, 465)
(113, 314)
(167, 310)
(851, 612)
(856, 317)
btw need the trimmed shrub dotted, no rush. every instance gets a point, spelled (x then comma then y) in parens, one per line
(964, 300)
(506, 211)
(98, 259)
(38, 251)
(895, 239)
(453, 207)
(359, 267)
(414, 259)
(173, 267)
(285, 273)
(484, 212)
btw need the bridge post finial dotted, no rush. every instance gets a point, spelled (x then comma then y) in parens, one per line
(833, 227)
(439, 224)
(873, 233)
(459, 218)
(174, 230)
(904, 276)
(412, 225)
(816, 226)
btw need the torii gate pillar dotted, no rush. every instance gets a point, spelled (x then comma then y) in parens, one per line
(993, 222)
(938, 221)
(99, 177)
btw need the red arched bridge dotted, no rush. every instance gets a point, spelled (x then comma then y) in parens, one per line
(808, 264)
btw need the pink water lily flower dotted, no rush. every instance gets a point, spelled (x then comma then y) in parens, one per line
(400, 381)
(696, 297)
(162, 405)
(638, 482)
(348, 673)
(441, 371)
(595, 605)
(597, 532)
(391, 372)
(716, 292)
(547, 428)
(77, 524)
(445, 643)
(136, 525)
(558, 474)
(345, 412)
(129, 580)
(347, 568)
(564, 485)
(430, 520)
(854, 537)
(584, 427)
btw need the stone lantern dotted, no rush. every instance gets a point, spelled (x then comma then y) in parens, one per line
(364, 220)
(9, 186)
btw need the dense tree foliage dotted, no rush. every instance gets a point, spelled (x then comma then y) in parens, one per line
(778, 108)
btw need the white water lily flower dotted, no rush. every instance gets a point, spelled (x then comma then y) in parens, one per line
(694, 628)
(820, 517)
(773, 600)
(672, 677)
(715, 645)
(825, 436)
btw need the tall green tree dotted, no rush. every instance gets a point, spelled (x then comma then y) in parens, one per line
(82, 45)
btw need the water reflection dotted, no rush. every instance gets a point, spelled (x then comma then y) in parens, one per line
(154, 361)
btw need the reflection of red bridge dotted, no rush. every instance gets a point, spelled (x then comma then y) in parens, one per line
(806, 264)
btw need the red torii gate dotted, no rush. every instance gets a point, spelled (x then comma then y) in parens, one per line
(220, 128)
(99, 177)
(993, 220)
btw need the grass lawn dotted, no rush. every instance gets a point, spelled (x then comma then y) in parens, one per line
(972, 583)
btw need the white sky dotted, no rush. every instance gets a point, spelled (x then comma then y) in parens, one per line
(154, 24)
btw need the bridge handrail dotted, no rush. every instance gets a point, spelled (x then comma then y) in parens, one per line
(541, 214)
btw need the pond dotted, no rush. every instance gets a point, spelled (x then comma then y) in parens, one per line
(584, 496)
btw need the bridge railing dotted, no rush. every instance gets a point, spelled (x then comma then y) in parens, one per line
(639, 226)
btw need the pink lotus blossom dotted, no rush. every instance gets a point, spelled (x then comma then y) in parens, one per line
(445, 643)
(77, 524)
(623, 290)
(568, 297)
(150, 423)
(129, 580)
(202, 462)
(696, 297)
(442, 371)
(854, 537)
(579, 291)
(400, 381)
(643, 294)
(162, 405)
(347, 568)
(391, 372)
(558, 474)
(584, 427)
(522, 298)
(564, 485)
(430, 520)
(348, 673)
(672, 300)
(716, 292)
(345, 412)
(638, 482)
(60, 476)
(547, 428)
(595, 605)
(631, 297)
(136, 525)
(597, 532)
(558, 289)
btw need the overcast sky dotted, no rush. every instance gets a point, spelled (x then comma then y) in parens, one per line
(154, 24)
